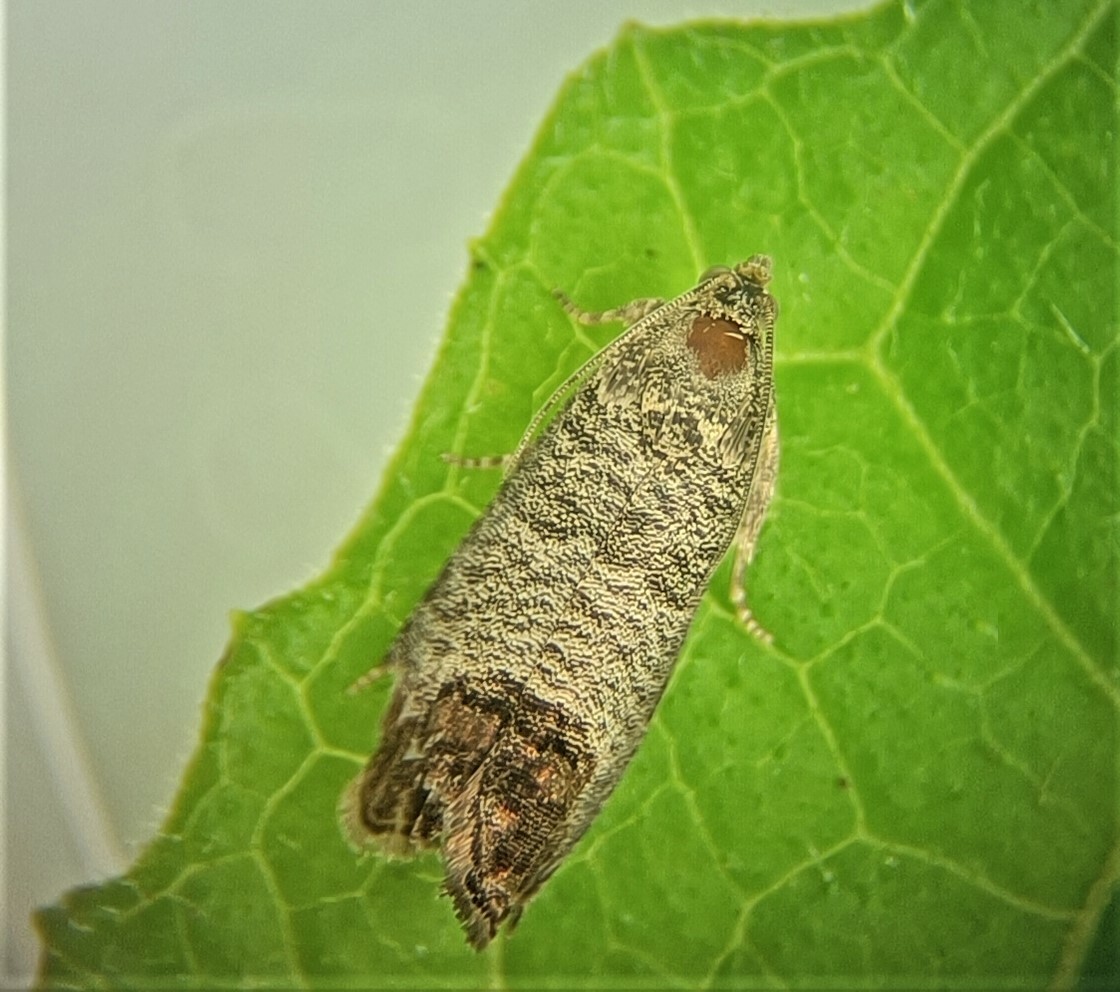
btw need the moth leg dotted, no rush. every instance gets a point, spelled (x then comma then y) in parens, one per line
(629, 314)
(762, 491)
(477, 461)
(394, 661)
(366, 679)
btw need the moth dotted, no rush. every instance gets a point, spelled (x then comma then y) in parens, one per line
(528, 674)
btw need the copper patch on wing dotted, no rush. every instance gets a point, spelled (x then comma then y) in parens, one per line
(720, 345)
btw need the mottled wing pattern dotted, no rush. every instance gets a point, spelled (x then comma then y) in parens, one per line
(529, 672)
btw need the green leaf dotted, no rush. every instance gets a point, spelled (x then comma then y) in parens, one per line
(918, 783)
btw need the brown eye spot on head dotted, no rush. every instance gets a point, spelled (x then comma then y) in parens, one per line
(720, 345)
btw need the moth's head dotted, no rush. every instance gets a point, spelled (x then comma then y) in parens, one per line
(742, 288)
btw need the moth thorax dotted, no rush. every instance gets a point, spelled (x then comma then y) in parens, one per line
(720, 345)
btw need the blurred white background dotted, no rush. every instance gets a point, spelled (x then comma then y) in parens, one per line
(233, 233)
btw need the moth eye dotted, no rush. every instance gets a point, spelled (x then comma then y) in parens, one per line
(715, 270)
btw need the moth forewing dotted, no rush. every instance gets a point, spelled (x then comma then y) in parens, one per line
(528, 673)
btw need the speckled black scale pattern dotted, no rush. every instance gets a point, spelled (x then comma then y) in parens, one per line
(529, 672)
